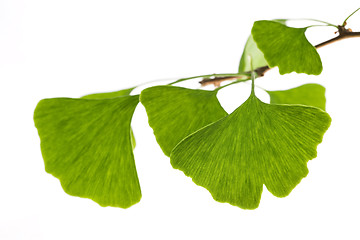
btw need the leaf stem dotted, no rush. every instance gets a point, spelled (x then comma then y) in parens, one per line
(317, 25)
(314, 20)
(209, 77)
(252, 83)
(320, 21)
(344, 23)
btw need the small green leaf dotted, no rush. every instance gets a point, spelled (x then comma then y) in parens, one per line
(124, 92)
(86, 143)
(252, 58)
(307, 94)
(176, 112)
(286, 47)
(257, 57)
(257, 144)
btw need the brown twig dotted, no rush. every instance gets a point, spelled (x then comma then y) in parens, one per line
(344, 33)
(216, 80)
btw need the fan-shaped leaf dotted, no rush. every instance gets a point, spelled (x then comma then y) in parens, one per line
(286, 47)
(175, 112)
(252, 58)
(86, 143)
(308, 94)
(256, 144)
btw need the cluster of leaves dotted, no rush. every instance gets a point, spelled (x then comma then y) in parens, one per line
(88, 142)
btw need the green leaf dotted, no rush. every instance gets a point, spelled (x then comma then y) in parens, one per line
(251, 51)
(307, 94)
(176, 112)
(252, 58)
(86, 143)
(124, 92)
(257, 144)
(286, 47)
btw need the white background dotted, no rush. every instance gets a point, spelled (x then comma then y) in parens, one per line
(71, 48)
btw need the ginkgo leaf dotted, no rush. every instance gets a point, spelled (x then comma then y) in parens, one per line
(256, 144)
(86, 143)
(124, 92)
(252, 57)
(308, 94)
(176, 112)
(286, 47)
